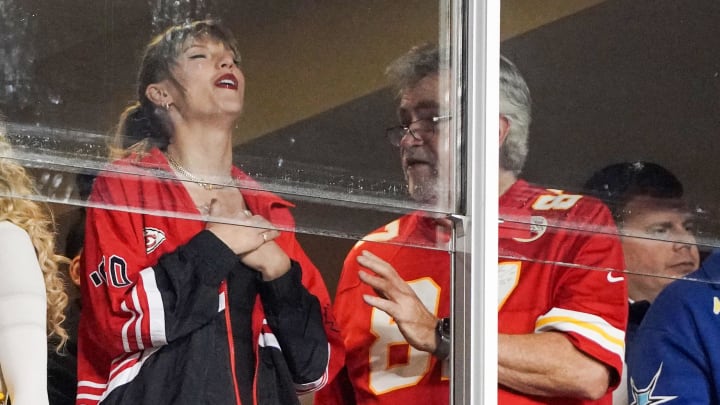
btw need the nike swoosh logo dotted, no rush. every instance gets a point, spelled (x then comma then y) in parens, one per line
(613, 279)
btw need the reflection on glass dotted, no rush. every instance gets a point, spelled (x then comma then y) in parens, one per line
(166, 13)
(315, 143)
(312, 130)
(17, 55)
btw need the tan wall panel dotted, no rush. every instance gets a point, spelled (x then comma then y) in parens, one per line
(520, 16)
(326, 56)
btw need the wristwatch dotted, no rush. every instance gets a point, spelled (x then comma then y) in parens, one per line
(442, 339)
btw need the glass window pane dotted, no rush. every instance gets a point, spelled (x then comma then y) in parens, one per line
(624, 107)
(313, 125)
(305, 107)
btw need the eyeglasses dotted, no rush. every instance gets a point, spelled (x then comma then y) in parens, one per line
(422, 130)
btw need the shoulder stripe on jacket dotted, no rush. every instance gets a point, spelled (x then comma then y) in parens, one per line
(590, 326)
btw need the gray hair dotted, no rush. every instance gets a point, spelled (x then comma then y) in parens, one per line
(407, 70)
(515, 105)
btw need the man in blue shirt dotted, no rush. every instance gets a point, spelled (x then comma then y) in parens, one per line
(657, 233)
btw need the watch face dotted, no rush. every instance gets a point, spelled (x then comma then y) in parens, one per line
(445, 327)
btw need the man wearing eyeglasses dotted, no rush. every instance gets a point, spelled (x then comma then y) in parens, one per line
(562, 313)
(393, 297)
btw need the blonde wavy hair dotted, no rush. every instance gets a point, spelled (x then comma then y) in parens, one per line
(36, 220)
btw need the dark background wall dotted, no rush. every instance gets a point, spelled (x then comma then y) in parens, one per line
(626, 80)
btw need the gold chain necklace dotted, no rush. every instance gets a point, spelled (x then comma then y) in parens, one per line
(202, 182)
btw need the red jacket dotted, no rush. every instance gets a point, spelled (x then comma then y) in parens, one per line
(171, 315)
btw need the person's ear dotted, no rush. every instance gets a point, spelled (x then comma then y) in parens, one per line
(504, 128)
(158, 94)
(74, 270)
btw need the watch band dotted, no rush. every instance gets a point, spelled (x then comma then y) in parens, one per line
(442, 338)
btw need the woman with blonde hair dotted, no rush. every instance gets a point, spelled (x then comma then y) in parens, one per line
(32, 295)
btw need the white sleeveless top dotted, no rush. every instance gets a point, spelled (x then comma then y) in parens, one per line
(23, 336)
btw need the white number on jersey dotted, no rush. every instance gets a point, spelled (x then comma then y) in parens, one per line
(390, 232)
(508, 277)
(555, 202)
(386, 377)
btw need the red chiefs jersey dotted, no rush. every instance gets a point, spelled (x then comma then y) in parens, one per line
(381, 366)
(559, 263)
(123, 315)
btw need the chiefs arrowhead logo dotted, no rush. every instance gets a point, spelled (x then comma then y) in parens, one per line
(153, 238)
(538, 226)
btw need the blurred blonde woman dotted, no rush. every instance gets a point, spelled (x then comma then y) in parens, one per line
(32, 298)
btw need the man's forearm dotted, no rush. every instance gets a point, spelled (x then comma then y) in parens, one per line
(547, 364)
